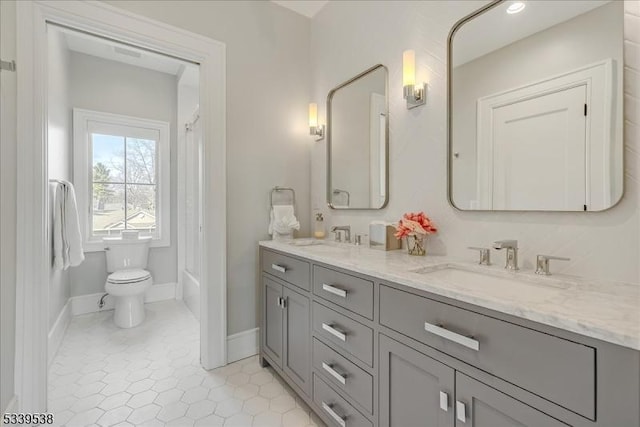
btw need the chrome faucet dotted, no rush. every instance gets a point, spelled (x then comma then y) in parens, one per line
(542, 263)
(512, 252)
(347, 232)
(485, 255)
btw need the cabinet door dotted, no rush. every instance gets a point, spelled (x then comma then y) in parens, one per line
(415, 390)
(478, 405)
(272, 320)
(297, 355)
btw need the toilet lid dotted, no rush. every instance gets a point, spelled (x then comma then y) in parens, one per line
(128, 276)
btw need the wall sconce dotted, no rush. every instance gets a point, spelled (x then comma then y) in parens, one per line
(415, 96)
(314, 129)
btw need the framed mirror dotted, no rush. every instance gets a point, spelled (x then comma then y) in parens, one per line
(358, 142)
(535, 107)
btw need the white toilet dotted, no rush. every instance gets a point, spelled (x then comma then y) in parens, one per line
(126, 261)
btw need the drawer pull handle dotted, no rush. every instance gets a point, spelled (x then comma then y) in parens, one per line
(444, 401)
(336, 291)
(335, 374)
(279, 268)
(461, 413)
(333, 331)
(452, 336)
(342, 421)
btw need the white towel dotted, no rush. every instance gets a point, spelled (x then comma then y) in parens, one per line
(283, 220)
(67, 239)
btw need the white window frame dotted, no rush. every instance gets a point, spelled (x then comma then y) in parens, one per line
(83, 122)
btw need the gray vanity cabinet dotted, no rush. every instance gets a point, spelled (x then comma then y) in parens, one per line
(272, 320)
(415, 390)
(364, 352)
(478, 405)
(285, 332)
(296, 362)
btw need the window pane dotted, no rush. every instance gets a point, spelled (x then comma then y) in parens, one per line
(108, 158)
(141, 207)
(141, 161)
(108, 209)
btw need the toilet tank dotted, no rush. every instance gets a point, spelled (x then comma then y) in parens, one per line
(126, 253)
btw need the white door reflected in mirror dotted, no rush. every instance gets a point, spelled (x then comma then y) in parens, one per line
(536, 108)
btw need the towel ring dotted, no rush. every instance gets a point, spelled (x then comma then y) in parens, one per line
(277, 189)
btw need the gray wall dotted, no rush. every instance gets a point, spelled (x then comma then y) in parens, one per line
(603, 245)
(267, 125)
(8, 206)
(60, 154)
(583, 40)
(113, 87)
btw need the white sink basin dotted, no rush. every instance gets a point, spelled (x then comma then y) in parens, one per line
(508, 284)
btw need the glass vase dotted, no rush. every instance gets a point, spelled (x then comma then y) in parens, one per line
(416, 245)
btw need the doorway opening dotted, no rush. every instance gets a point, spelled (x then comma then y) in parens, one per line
(139, 202)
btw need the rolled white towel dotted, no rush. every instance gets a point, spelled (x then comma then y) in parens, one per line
(286, 225)
(279, 213)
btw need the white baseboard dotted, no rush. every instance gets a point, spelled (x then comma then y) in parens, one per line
(160, 292)
(57, 331)
(84, 304)
(12, 407)
(242, 345)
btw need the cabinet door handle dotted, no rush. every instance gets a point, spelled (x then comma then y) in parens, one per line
(279, 301)
(342, 421)
(335, 374)
(334, 290)
(333, 331)
(279, 268)
(284, 302)
(444, 401)
(461, 411)
(452, 336)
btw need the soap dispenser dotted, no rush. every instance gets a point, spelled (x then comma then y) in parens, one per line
(318, 228)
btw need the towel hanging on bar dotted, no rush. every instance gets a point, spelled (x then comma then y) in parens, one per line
(67, 239)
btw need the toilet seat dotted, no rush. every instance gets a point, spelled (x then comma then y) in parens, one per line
(123, 277)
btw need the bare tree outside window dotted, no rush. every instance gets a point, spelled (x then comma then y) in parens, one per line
(101, 191)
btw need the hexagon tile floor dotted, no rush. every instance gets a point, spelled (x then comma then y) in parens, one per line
(150, 376)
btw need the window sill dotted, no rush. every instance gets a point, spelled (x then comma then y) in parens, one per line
(98, 246)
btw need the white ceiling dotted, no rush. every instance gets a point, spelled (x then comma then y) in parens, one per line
(496, 28)
(114, 51)
(307, 8)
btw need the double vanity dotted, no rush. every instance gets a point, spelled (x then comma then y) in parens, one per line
(373, 338)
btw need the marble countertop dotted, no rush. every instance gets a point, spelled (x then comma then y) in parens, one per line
(608, 311)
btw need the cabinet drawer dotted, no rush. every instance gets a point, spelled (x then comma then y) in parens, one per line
(292, 270)
(353, 293)
(343, 374)
(344, 332)
(556, 369)
(337, 410)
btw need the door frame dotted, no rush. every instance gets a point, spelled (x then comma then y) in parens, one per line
(32, 224)
(182, 197)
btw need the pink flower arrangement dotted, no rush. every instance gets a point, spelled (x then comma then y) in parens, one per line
(414, 224)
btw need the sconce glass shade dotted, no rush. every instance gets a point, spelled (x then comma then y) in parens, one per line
(415, 96)
(314, 128)
(408, 68)
(313, 115)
